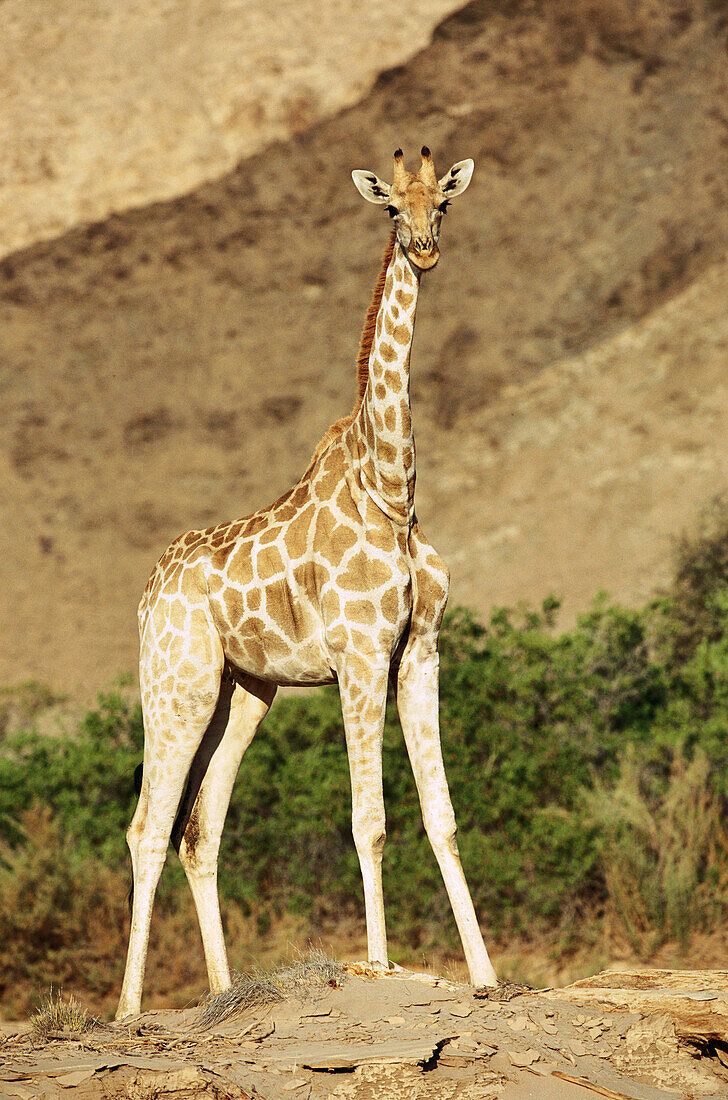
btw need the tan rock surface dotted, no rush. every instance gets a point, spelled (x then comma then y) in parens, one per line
(378, 1036)
(108, 105)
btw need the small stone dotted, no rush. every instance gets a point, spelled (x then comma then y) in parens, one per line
(74, 1078)
(500, 1062)
(523, 1058)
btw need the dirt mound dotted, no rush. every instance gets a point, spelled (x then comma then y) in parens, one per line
(414, 1035)
(175, 365)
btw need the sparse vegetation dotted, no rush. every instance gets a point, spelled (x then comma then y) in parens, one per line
(22, 704)
(304, 978)
(247, 991)
(588, 771)
(664, 852)
(54, 1015)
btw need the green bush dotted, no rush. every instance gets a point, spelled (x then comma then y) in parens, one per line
(86, 780)
(700, 587)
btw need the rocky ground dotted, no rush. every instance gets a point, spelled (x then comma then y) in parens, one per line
(647, 1035)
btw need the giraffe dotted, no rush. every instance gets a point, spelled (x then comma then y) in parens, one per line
(334, 582)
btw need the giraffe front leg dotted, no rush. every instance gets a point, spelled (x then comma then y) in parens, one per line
(363, 689)
(418, 706)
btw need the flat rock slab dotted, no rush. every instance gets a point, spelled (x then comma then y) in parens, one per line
(696, 1001)
(336, 1056)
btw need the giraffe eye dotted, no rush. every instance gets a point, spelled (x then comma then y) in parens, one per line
(392, 211)
(443, 206)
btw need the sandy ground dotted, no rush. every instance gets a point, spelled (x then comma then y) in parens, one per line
(107, 106)
(648, 1035)
(173, 366)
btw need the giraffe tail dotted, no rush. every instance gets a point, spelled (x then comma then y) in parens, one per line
(138, 773)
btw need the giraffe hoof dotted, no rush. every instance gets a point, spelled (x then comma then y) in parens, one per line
(504, 991)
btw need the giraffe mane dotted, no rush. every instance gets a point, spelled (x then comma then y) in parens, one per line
(365, 348)
(370, 325)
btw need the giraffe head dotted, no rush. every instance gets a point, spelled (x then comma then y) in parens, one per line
(416, 202)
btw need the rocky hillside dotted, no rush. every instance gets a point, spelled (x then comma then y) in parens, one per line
(108, 106)
(176, 364)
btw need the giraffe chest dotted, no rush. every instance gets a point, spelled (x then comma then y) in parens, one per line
(367, 605)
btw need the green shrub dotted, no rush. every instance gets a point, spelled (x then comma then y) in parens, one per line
(86, 780)
(700, 586)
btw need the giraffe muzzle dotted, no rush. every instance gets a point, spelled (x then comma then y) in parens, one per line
(423, 257)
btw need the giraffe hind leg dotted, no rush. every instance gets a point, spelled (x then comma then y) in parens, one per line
(138, 782)
(175, 723)
(198, 828)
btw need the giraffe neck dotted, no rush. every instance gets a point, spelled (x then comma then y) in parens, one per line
(380, 437)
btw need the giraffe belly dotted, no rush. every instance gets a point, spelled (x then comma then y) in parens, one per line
(283, 642)
(281, 670)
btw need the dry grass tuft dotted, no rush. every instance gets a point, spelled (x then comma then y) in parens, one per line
(247, 991)
(308, 975)
(54, 1015)
(665, 857)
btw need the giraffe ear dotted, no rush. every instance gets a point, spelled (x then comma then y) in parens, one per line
(457, 179)
(371, 187)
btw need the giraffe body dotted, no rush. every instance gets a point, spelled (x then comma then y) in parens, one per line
(334, 582)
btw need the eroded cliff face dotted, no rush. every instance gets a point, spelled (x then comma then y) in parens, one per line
(109, 106)
(175, 365)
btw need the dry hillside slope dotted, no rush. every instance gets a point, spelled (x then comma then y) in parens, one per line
(175, 365)
(107, 106)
